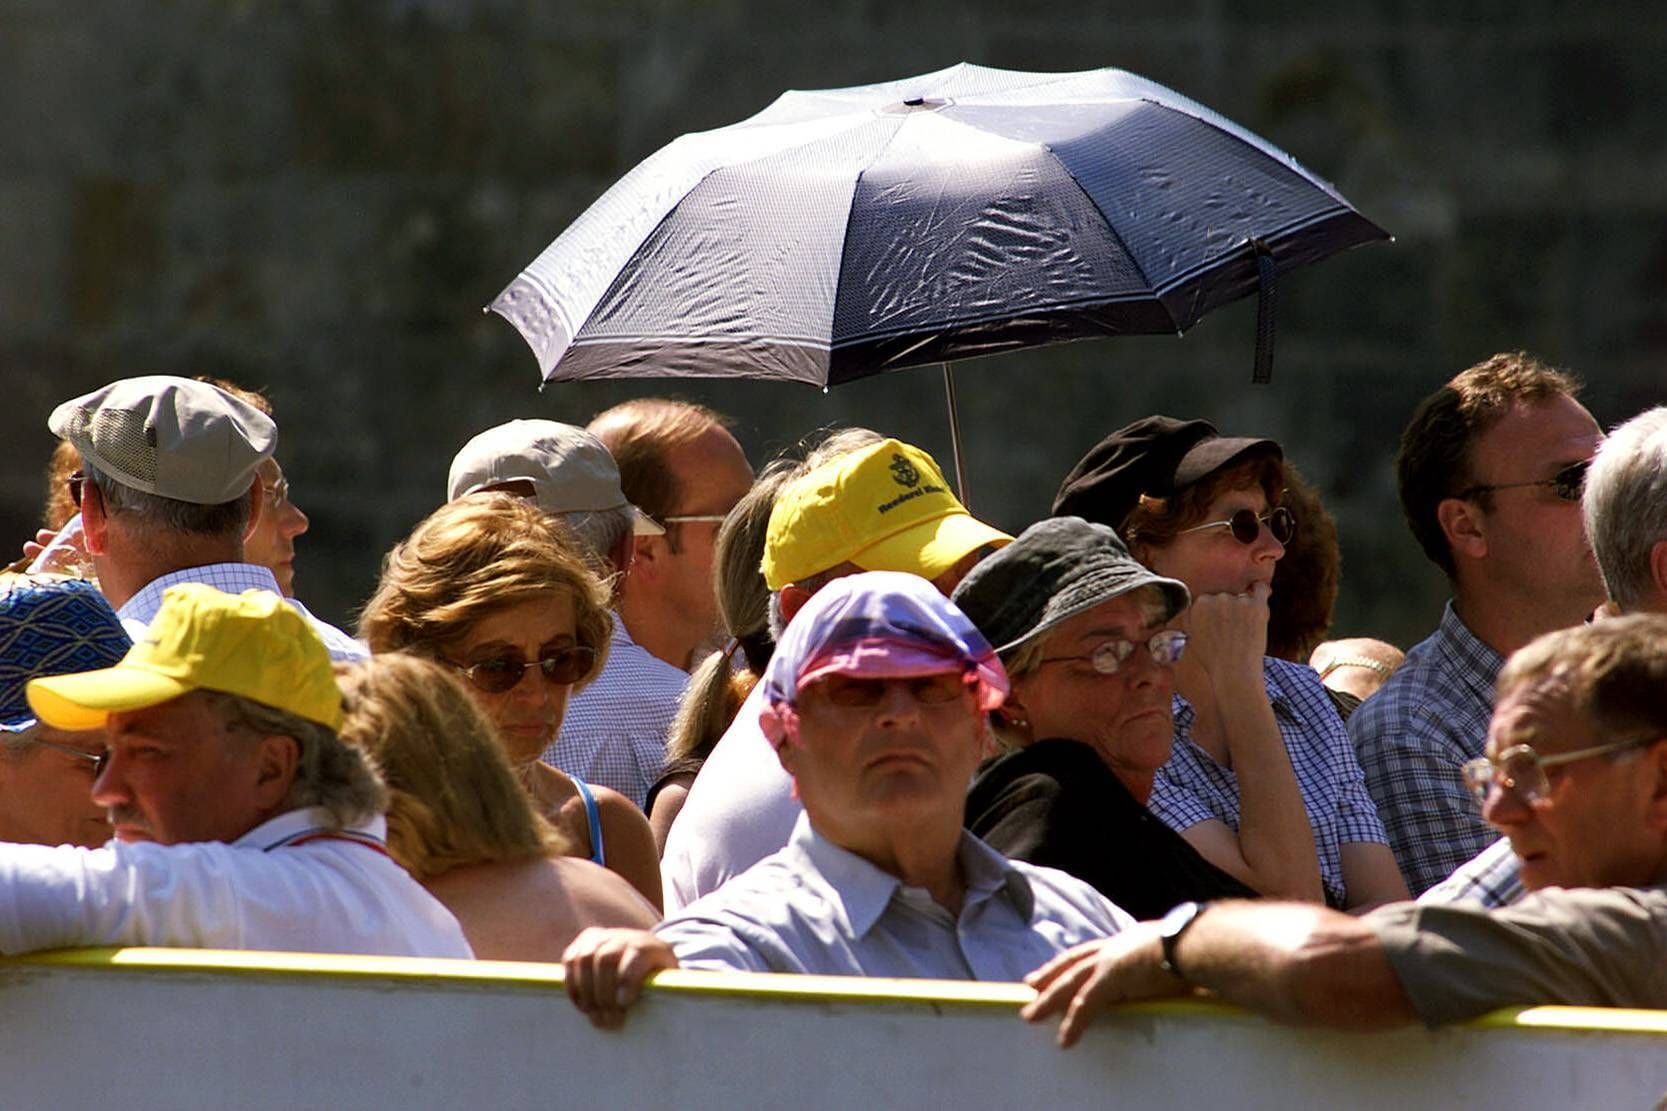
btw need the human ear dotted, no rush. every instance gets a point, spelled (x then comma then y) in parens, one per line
(1462, 523)
(257, 506)
(1658, 567)
(276, 762)
(793, 598)
(95, 523)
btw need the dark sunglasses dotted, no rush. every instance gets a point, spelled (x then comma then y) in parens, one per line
(860, 691)
(75, 482)
(503, 673)
(1568, 483)
(1246, 525)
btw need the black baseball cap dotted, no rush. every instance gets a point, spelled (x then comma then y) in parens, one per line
(1157, 456)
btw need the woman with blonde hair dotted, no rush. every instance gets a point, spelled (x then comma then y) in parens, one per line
(497, 590)
(460, 823)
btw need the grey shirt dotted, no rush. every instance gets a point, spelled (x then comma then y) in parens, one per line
(813, 907)
(1594, 947)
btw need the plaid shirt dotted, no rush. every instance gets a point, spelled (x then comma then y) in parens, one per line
(232, 578)
(1192, 788)
(1412, 737)
(614, 732)
(1491, 879)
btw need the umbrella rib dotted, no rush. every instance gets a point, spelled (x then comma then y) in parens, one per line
(1111, 229)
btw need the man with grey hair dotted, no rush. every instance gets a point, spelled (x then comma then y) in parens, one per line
(1574, 773)
(241, 819)
(614, 731)
(1624, 506)
(168, 488)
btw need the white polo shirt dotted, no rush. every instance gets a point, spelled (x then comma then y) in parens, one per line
(288, 884)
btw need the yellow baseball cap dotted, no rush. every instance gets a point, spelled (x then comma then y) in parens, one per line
(884, 508)
(250, 644)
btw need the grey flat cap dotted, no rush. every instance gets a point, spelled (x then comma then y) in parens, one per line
(569, 469)
(173, 437)
(1054, 570)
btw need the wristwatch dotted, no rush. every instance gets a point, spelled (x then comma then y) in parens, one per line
(1170, 928)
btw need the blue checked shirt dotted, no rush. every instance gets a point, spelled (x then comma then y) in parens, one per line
(1490, 879)
(614, 732)
(232, 578)
(1414, 735)
(1192, 788)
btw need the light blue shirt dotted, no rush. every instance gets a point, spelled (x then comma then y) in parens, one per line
(232, 578)
(816, 908)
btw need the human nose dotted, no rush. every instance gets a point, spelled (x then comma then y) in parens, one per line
(110, 781)
(897, 703)
(1503, 806)
(295, 521)
(1267, 545)
(531, 688)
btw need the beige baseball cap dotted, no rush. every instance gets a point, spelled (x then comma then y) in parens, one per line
(172, 437)
(568, 468)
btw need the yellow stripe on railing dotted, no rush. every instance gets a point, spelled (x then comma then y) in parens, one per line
(808, 988)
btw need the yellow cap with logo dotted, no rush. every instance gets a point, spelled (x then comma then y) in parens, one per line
(251, 644)
(884, 508)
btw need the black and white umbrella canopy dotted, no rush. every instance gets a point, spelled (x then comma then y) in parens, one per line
(844, 232)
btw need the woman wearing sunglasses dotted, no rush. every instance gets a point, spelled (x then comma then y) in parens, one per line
(496, 590)
(1263, 781)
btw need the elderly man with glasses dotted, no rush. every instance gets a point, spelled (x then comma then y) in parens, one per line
(876, 701)
(1575, 774)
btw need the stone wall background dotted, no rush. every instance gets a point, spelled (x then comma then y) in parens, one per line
(317, 198)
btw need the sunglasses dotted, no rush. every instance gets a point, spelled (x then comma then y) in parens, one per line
(1568, 483)
(1521, 771)
(1246, 525)
(500, 674)
(1165, 648)
(864, 693)
(75, 482)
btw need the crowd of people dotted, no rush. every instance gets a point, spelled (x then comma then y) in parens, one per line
(621, 703)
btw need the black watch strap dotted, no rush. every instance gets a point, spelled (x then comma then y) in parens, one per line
(1171, 928)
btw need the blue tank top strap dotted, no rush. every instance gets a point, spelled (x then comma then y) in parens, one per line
(593, 817)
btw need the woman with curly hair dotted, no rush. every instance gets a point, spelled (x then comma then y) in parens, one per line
(460, 823)
(1262, 781)
(492, 587)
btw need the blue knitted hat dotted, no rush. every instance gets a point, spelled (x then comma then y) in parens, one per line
(52, 628)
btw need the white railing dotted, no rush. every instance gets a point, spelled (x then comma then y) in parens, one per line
(141, 1028)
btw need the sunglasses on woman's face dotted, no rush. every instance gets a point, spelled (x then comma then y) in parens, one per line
(500, 674)
(1246, 525)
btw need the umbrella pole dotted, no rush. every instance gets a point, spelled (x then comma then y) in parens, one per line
(955, 436)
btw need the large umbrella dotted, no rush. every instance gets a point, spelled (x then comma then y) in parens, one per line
(843, 232)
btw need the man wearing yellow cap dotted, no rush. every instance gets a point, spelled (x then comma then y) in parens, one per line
(241, 820)
(878, 505)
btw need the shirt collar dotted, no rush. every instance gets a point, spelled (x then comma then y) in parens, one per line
(245, 576)
(860, 892)
(1476, 662)
(293, 824)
